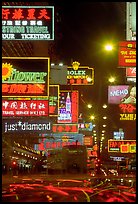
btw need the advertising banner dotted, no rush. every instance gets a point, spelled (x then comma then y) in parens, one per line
(85, 126)
(68, 107)
(127, 54)
(57, 141)
(22, 125)
(53, 99)
(80, 75)
(120, 145)
(25, 108)
(61, 128)
(131, 72)
(122, 94)
(27, 23)
(25, 76)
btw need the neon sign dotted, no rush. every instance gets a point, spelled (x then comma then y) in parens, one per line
(25, 76)
(25, 108)
(27, 23)
(68, 107)
(127, 54)
(120, 145)
(80, 75)
(127, 116)
(127, 108)
(65, 128)
(22, 77)
(26, 89)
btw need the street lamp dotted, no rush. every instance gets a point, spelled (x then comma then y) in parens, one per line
(108, 47)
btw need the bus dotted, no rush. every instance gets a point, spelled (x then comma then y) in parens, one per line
(69, 159)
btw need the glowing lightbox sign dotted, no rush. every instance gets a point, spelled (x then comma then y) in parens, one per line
(115, 145)
(125, 94)
(65, 128)
(25, 75)
(82, 75)
(127, 108)
(53, 99)
(25, 108)
(131, 72)
(129, 116)
(23, 89)
(58, 140)
(27, 23)
(68, 107)
(127, 54)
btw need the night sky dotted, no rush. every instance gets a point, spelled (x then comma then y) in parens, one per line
(85, 28)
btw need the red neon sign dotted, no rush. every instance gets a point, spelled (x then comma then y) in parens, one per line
(127, 54)
(30, 14)
(25, 108)
(127, 108)
(23, 89)
(65, 128)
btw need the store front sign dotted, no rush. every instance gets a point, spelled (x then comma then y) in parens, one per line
(80, 75)
(22, 125)
(27, 23)
(127, 54)
(25, 76)
(127, 116)
(120, 145)
(65, 128)
(25, 108)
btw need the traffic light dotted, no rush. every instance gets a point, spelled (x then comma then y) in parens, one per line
(14, 163)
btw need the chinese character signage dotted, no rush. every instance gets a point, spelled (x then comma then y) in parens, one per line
(57, 141)
(120, 145)
(16, 125)
(65, 128)
(68, 107)
(82, 75)
(125, 94)
(25, 76)
(25, 108)
(23, 89)
(128, 111)
(88, 141)
(85, 126)
(53, 100)
(27, 23)
(127, 54)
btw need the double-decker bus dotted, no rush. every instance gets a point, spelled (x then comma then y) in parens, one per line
(69, 159)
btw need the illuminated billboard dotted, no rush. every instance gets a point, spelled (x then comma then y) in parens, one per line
(80, 75)
(64, 128)
(57, 141)
(25, 76)
(68, 107)
(131, 72)
(127, 54)
(53, 99)
(127, 111)
(25, 108)
(27, 23)
(122, 94)
(121, 146)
